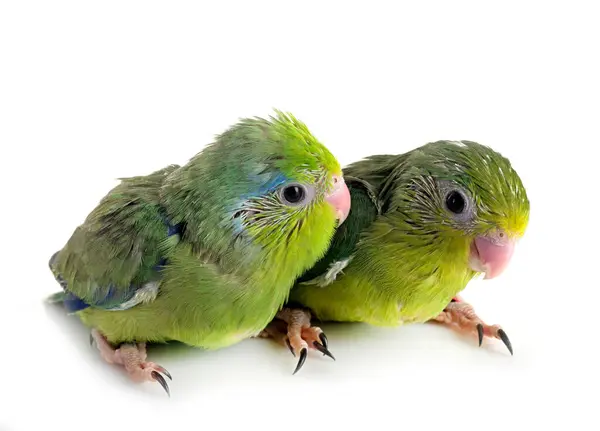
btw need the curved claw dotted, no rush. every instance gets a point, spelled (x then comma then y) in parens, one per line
(160, 379)
(480, 333)
(321, 348)
(164, 371)
(91, 340)
(287, 341)
(323, 339)
(505, 340)
(303, 355)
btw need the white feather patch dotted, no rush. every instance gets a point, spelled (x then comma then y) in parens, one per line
(336, 268)
(144, 295)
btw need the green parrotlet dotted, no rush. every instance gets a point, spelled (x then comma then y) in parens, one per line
(421, 226)
(205, 253)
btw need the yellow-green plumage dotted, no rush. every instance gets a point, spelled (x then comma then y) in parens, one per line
(407, 255)
(236, 250)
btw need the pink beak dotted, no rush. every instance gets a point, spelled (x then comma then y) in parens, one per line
(491, 254)
(339, 198)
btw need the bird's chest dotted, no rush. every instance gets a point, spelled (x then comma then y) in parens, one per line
(421, 300)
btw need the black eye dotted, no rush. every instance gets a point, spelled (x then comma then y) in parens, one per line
(294, 194)
(455, 202)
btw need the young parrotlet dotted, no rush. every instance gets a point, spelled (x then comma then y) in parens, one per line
(421, 226)
(205, 253)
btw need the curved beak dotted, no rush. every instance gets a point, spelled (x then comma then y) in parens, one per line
(491, 254)
(339, 198)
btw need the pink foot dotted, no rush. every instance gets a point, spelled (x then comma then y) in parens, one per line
(133, 358)
(292, 328)
(461, 316)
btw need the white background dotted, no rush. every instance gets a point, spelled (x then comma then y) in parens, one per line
(93, 91)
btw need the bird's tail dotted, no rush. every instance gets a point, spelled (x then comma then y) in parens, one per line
(57, 297)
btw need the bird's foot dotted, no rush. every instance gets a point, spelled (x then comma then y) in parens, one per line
(461, 316)
(133, 358)
(291, 327)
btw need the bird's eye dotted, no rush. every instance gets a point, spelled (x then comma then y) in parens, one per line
(294, 194)
(455, 202)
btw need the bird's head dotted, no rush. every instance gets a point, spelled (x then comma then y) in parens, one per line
(292, 183)
(467, 190)
(264, 187)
